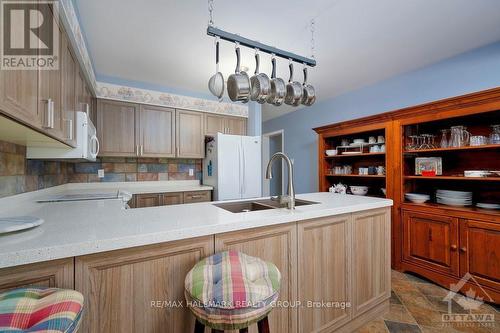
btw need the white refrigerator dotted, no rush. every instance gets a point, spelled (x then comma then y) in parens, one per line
(233, 167)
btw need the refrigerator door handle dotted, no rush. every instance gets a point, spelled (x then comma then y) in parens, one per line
(243, 187)
(239, 168)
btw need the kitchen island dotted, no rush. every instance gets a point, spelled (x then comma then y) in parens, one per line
(130, 264)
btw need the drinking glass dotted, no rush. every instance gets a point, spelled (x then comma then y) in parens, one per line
(495, 135)
(444, 138)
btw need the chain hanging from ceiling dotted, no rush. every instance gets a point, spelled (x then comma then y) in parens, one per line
(259, 87)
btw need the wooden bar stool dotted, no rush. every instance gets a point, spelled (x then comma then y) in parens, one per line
(40, 310)
(231, 291)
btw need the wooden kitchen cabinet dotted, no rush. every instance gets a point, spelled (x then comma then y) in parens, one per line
(189, 134)
(236, 125)
(172, 199)
(68, 92)
(50, 274)
(371, 259)
(214, 124)
(324, 269)
(147, 200)
(224, 124)
(122, 288)
(50, 89)
(431, 240)
(480, 251)
(156, 131)
(197, 196)
(277, 244)
(116, 128)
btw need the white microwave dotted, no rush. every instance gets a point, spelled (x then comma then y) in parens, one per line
(87, 144)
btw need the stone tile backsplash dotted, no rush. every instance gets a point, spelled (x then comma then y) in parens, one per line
(18, 175)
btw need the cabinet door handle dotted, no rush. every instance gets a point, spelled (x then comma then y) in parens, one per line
(137, 150)
(177, 151)
(142, 150)
(69, 123)
(463, 249)
(453, 247)
(49, 116)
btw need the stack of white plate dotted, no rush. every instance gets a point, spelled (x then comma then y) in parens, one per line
(454, 198)
(485, 205)
(476, 173)
(417, 197)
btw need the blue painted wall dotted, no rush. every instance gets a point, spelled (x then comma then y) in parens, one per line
(471, 71)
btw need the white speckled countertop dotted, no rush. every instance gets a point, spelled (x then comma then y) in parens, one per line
(85, 227)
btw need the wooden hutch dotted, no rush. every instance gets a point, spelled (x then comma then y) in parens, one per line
(440, 242)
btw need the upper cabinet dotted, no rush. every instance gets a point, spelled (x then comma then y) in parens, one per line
(69, 74)
(190, 134)
(127, 129)
(116, 128)
(156, 131)
(46, 100)
(224, 124)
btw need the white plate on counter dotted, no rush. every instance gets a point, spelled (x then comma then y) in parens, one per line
(17, 223)
(485, 205)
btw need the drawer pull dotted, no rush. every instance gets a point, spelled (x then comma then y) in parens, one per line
(453, 247)
(196, 196)
(463, 249)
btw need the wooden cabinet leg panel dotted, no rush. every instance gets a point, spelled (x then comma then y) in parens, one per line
(324, 273)
(127, 290)
(53, 274)
(279, 246)
(371, 259)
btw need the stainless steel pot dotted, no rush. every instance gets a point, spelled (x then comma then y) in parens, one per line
(308, 93)
(216, 82)
(261, 85)
(238, 84)
(293, 90)
(278, 87)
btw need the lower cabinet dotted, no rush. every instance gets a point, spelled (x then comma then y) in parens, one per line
(50, 274)
(480, 251)
(166, 199)
(127, 290)
(431, 240)
(278, 245)
(324, 269)
(371, 259)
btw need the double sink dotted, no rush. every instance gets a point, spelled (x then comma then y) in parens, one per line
(255, 205)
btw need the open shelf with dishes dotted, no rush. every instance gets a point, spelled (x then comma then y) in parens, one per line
(354, 160)
(446, 212)
(465, 161)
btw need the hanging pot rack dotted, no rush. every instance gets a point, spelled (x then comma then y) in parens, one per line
(230, 37)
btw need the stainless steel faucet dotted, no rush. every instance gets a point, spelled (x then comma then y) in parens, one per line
(290, 198)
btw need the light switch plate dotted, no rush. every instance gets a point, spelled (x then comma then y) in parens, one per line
(191, 172)
(100, 173)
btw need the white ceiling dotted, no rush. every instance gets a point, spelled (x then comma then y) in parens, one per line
(358, 42)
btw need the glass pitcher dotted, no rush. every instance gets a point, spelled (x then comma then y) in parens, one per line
(459, 136)
(495, 135)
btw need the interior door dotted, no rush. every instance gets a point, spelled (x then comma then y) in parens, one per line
(251, 167)
(157, 131)
(228, 167)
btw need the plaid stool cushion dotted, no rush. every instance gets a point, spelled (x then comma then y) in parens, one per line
(40, 310)
(231, 290)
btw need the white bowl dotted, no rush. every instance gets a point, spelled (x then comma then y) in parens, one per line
(359, 190)
(358, 141)
(331, 152)
(417, 197)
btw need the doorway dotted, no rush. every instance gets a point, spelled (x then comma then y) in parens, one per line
(272, 143)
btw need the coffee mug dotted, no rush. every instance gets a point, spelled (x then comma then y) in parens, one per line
(374, 149)
(380, 139)
(382, 148)
(380, 170)
(372, 139)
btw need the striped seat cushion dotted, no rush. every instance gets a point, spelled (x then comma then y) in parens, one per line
(40, 310)
(231, 290)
